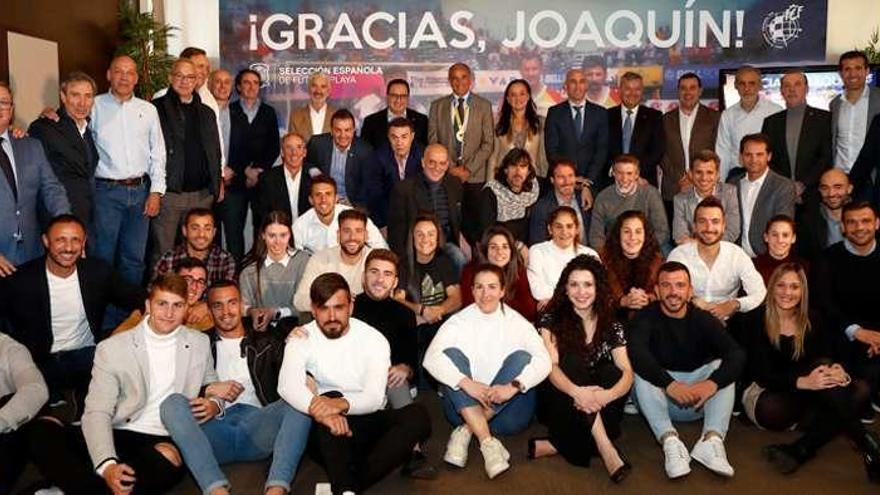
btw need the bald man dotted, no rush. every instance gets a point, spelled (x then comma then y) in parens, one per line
(820, 224)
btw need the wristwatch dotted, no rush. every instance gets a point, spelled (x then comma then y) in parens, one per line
(519, 386)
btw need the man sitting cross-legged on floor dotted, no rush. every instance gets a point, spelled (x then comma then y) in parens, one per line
(257, 423)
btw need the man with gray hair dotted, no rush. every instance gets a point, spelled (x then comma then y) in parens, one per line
(745, 117)
(635, 129)
(69, 145)
(313, 118)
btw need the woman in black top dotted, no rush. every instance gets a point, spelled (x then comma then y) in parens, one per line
(792, 363)
(591, 375)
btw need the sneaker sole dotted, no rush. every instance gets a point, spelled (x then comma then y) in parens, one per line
(494, 475)
(706, 465)
(675, 476)
(452, 461)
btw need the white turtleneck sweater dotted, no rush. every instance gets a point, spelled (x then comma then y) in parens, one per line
(161, 359)
(486, 339)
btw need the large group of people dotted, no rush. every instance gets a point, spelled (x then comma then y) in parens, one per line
(562, 269)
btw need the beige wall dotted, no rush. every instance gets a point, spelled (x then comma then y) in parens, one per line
(850, 24)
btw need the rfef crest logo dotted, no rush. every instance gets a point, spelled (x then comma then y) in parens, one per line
(781, 28)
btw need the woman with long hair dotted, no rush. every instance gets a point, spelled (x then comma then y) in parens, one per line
(591, 373)
(487, 360)
(632, 257)
(498, 247)
(508, 198)
(795, 370)
(519, 126)
(547, 259)
(271, 272)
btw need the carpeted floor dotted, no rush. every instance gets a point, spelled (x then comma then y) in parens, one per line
(837, 470)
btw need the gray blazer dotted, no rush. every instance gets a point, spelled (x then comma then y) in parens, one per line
(834, 106)
(777, 196)
(118, 390)
(686, 202)
(479, 134)
(20, 377)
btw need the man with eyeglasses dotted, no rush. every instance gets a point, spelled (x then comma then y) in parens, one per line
(375, 127)
(193, 155)
(198, 230)
(27, 177)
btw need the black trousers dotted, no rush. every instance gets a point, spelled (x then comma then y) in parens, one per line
(569, 428)
(12, 458)
(380, 442)
(470, 220)
(827, 412)
(232, 215)
(61, 455)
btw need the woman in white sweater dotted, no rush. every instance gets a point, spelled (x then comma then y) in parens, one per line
(548, 258)
(488, 359)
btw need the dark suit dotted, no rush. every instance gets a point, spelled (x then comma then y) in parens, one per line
(866, 163)
(409, 198)
(25, 303)
(777, 196)
(646, 143)
(589, 150)
(812, 231)
(37, 185)
(374, 130)
(703, 135)
(360, 168)
(814, 146)
(73, 157)
(272, 193)
(389, 175)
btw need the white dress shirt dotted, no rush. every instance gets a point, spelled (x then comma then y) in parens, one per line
(748, 196)
(310, 233)
(317, 119)
(735, 124)
(546, 262)
(293, 192)
(355, 364)
(732, 270)
(129, 140)
(685, 126)
(852, 126)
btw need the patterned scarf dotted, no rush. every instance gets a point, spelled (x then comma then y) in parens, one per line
(511, 205)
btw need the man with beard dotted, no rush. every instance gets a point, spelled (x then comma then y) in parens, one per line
(55, 306)
(719, 270)
(843, 293)
(565, 192)
(347, 258)
(820, 225)
(317, 228)
(358, 441)
(198, 232)
(686, 365)
(314, 117)
(596, 71)
(247, 364)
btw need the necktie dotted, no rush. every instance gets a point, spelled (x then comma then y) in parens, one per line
(6, 165)
(461, 110)
(627, 131)
(579, 120)
(459, 129)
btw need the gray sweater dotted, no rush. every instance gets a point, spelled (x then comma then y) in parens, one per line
(278, 283)
(610, 204)
(19, 376)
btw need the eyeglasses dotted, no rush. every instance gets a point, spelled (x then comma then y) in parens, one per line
(398, 96)
(194, 281)
(188, 78)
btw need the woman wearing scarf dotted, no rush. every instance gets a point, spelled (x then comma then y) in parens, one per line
(508, 198)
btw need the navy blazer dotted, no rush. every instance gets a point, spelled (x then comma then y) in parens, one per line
(37, 186)
(272, 194)
(389, 175)
(360, 169)
(589, 150)
(647, 142)
(374, 130)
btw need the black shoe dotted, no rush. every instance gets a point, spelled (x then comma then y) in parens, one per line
(418, 467)
(871, 456)
(784, 457)
(623, 471)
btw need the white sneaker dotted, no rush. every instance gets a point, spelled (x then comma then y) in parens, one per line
(678, 462)
(457, 447)
(495, 457)
(630, 407)
(711, 454)
(323, 489)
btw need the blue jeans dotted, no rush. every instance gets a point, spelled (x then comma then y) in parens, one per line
(121, 228)
(660, 411)
(511, 417)
(244, 433)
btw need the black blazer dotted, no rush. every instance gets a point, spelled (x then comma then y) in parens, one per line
(24, 301)
(253, 144)
(73, 157)
(375, 127)
(389, 176)
(589, 150)
(812, 231)
(866, 163)
(647, 142)
(814, 153)
(272, 194)
(409, 198)
(360, 168)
